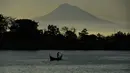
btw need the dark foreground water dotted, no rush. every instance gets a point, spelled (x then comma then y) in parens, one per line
(74, 62)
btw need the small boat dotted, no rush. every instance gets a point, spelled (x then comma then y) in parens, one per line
(56, 59)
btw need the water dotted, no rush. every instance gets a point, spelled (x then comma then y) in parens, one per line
(74, 62)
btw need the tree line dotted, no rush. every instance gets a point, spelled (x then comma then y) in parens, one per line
(23, 34)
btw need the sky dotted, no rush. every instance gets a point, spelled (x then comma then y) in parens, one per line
(117, 11)
(127, 3)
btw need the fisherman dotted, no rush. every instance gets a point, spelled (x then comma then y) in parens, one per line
(58, 54)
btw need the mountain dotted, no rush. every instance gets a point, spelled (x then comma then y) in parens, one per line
(67, 12)
(73, 16)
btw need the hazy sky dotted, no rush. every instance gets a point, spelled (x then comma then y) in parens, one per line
(128, 13)
(114, 10)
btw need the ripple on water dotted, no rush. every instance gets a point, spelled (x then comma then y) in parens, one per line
(66, 69)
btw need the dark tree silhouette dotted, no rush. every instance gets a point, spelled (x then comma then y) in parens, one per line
(64, 29)
(26, 25)
(3, 24)
(73, 30)
(23, 34)
(70, 33)
(83, 34)
(52, 30)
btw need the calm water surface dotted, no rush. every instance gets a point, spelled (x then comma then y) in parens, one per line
(74, 62)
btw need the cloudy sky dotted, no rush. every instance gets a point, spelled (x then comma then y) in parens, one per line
(114, 10)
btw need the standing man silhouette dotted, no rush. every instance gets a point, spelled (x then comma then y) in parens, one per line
(58, 54)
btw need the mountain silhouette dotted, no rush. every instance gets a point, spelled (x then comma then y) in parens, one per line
(67, 12)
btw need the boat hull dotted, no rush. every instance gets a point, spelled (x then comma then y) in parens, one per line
(55, 59)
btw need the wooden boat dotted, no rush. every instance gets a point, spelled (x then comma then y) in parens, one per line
(55, 59)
